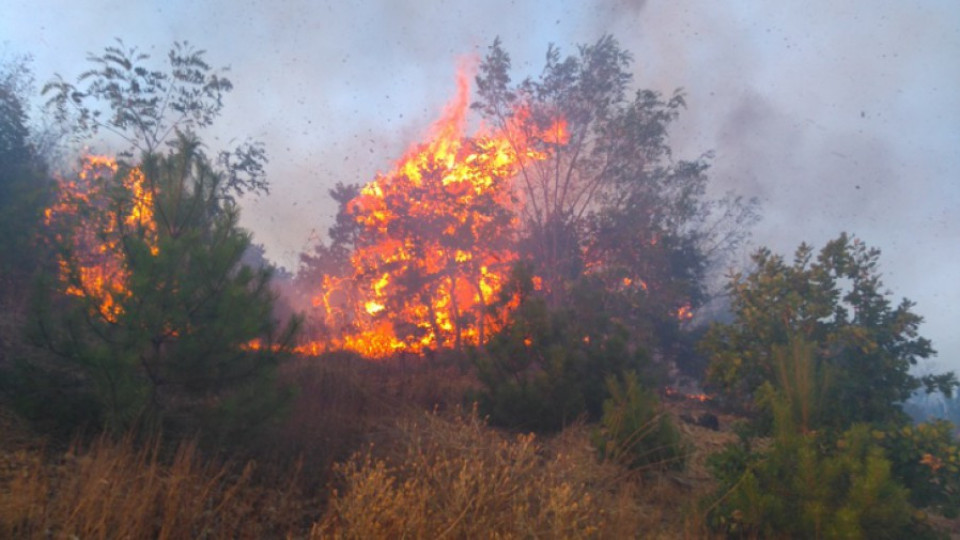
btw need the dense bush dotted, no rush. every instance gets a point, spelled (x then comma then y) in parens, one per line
(809, 481)
(548, 367)
(836, 302)
(806, 487)
(926, 458)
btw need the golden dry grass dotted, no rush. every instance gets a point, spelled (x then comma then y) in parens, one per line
(417, 474)
(114, 490)
(451, 476)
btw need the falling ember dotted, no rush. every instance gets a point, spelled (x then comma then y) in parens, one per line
(97, 219)
(436, 239)
(684, 313)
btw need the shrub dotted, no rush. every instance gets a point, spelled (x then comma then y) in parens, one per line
(634, 430)
(926, 458)
(802, 488)
(548, 367)
(811, 484)
(459, 479)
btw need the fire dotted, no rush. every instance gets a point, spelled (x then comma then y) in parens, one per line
(676, 394)
(97, 217)
(436, 241)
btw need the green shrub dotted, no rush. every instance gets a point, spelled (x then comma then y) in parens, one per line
(804, 488)
(634, 430)
(811, 484)
(926, 458)
(548, 367)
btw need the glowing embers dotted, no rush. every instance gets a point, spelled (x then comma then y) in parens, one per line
(678, 395)
(89, 219)
(436, 239)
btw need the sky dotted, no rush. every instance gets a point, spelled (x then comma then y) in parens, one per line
(838, 116)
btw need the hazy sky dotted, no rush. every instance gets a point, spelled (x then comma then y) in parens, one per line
(839, 116)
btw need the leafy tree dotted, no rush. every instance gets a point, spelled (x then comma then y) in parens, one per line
(610, 200)
(147, 107)
(14, 135)
(837, 304)
(161, 323)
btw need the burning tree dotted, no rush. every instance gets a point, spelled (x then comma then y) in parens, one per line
(568, 172)
(611, 201)
(149, 310)
(432, 242)
(159, 314)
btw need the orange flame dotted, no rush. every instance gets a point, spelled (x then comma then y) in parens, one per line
(95, 221)
(436, 243)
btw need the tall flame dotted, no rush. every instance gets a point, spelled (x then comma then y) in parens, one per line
(437, 240)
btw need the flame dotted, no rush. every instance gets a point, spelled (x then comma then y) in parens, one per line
(95, 221)
(676, 394)
(436, 241)
(436, 237)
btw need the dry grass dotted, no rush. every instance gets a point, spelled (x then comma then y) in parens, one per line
(345, 402)
(451, 476)
(113, 490)
(458, 479)
(419, 475)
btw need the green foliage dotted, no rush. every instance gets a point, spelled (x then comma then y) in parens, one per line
(805, 486)
(837, 304)
(147, 107)
(801, 383)
(806, 483)
(25, 191)
(548, 367)
(634, 430)
(24, 186)
(926, 458)
(178, 346)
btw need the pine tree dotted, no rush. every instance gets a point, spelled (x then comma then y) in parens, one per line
(184, 331)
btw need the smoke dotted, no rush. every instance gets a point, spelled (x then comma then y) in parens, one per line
(838, 115)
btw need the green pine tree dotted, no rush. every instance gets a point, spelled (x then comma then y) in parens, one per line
(189, 340)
